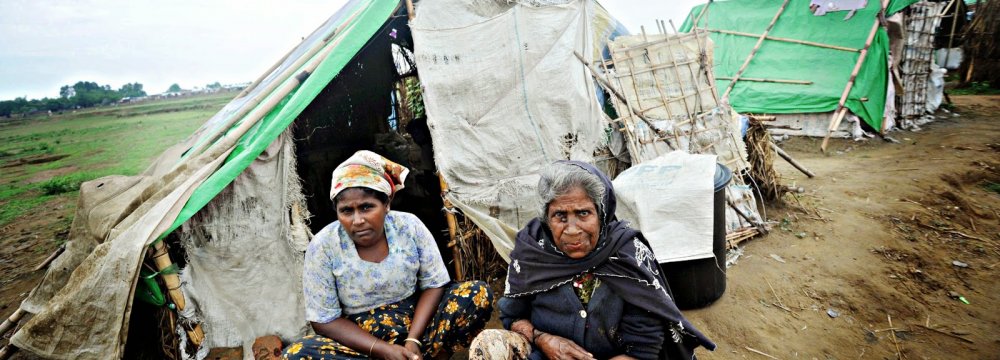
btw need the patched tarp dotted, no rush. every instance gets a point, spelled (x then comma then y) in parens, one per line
(828, 70)
(505, 96)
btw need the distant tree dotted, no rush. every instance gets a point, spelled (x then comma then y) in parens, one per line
(65, 92)
(174, 88)
(214, 86)
(131, 90)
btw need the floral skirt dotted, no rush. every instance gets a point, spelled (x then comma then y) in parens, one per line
(463, 312)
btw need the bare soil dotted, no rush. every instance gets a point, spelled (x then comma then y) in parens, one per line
(874, 236)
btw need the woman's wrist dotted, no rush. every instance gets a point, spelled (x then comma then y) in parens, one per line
(414, 341)
(535, 334)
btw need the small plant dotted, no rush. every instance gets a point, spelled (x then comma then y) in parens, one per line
(64, 184)
(992, 186)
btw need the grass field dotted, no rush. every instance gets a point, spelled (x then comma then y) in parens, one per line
(45, 158)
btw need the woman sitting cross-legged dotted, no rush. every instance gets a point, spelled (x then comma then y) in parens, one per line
(582, 285)
(374, 282)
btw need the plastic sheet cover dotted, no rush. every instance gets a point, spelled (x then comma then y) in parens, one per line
(505, 96)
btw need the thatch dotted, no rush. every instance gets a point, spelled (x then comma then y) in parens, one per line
(982, 44)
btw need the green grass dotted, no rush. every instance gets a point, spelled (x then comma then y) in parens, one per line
(976, 88)
(98, 142)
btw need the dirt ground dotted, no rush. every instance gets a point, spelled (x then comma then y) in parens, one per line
(873, 237)
(885, 231)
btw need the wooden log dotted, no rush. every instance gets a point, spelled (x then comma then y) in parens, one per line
(12, 321)
(838, 115)
(792, 161)
(452, 229)
(783, 39)
(756, 47)
(52, 257)
(796, 82)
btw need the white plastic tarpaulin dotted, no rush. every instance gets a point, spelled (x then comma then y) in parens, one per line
(505, 96)
(670, 199)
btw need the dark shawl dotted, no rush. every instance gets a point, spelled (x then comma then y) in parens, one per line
(622, 260)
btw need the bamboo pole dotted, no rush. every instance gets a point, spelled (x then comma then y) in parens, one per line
(838, 115)
(52, 257)
(173, 283)
(779, 81)
(951, 38)
(756, 47)
(792, 161)
(760, 227)
(323, 48)
(7, 351)
(12, 321)
(409, 10)
(704, 10)
(663, 98)
(264, 75)
(452, 229)
(787, 40)
(615, 92)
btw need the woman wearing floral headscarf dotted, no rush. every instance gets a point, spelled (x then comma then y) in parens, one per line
(583, 285)
(374, 282)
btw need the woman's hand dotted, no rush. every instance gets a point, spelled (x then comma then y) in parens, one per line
(623, 357)
(560, 348)
(389, 351)
(414, 349)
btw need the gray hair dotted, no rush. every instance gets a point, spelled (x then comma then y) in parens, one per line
(559, 178)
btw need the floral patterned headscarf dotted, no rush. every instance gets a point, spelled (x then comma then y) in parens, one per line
(369, 170)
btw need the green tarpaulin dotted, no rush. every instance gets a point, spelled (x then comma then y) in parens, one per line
(828, 69)
(357, 22)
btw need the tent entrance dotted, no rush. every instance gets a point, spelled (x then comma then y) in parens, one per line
(360, 110)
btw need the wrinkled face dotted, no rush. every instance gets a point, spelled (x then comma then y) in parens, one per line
(362, 215)
(574, 222)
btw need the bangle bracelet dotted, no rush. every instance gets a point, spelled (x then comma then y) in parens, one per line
(372, 347)
(415, 341)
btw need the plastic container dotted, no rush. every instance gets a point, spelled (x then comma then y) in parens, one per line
(699, 283)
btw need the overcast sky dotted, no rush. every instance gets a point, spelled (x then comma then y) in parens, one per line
(45, 44)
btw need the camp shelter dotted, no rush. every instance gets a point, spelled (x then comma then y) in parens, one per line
(805, 62)
(216, 226)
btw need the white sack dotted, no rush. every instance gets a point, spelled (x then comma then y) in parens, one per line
(935, 89)
(953, 56)
(670, 199)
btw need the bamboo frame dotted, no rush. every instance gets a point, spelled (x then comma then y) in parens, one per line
(173, 284)
(617, 94)
(694, 124)
(838, 115)
(756, 47)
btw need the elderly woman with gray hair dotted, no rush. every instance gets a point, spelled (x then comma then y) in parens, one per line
(583, 285)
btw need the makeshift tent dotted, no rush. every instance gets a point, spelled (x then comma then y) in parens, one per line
(226, 214)
(805, 61)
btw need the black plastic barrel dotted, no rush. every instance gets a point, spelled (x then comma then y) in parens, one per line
(698, 283)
